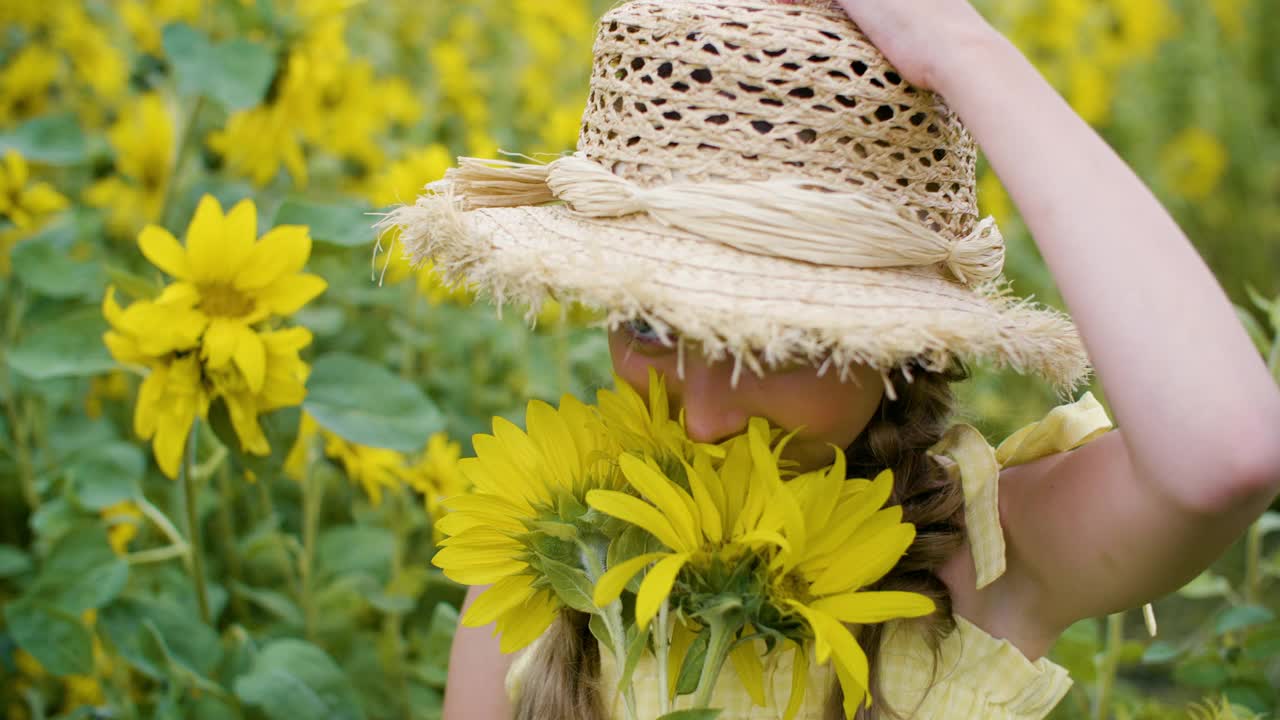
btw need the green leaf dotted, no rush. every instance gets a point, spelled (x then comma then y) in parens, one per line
(1254, 328)
(45, 266)
(106, 475)
(571, 585)
(293, 679)
(53, 636)
(1205, 671)
(1263, 643)
(1240, 617)
(1159, 652)
(693, 714)
(691, 668)
(1270, 307)
(276, 603)
(13, 561)
(236, 73)
(1269, 522)
(438, 643)
(68, 347)
(356, 549)
(365, 404)
(81, 572)
(51, 139)
(132, 622)
(344, 224)
(280, 427)
(1206, 585)
(637, 642)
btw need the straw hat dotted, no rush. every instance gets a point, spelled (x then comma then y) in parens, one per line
(755, 178)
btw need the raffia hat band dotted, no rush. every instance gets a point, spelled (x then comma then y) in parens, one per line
(786, 218)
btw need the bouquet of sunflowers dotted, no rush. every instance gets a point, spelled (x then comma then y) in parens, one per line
(698, 554)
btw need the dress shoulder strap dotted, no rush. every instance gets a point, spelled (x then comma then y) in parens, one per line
(964, 451)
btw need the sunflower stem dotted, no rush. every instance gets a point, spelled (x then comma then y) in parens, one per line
(612, 616)
(718, 647)
(193, 523)
(1109, 662)
(227, 538)
(179, 160)
(662, 643)
(312, 500)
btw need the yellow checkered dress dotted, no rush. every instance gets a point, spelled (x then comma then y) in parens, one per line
(980, 677)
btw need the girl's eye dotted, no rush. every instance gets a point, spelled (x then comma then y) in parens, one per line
(642, 332)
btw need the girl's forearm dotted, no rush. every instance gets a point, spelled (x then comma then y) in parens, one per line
(1199, 411)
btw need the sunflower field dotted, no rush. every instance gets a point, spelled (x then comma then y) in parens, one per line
(229, 411)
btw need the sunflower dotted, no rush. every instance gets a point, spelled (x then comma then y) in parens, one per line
(836, 549)
(648, 428)
(234, 279)
(720, 518)
(520, 529)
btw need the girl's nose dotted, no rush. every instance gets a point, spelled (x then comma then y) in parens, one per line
(713, 411)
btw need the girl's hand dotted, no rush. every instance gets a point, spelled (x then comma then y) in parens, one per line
(919, 36)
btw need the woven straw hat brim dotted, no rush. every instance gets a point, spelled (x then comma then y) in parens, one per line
(762, 311)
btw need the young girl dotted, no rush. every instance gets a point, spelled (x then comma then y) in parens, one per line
(781, 221)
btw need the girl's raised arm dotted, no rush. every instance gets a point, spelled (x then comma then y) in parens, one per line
(1131, 516)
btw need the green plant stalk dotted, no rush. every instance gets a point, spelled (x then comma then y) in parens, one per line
(612, 616)
(227, 538)
(564, 374)
(312, 502)
(194, 541)
(718, 648)
(1108, 665)
(662, 645)
(179, 160)
(16, 307)
(391, 622)
(286, 563)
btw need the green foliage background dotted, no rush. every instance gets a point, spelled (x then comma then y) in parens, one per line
(314, 601)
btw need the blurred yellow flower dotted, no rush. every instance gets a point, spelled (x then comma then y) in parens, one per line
(114, 386)
(234, 280)
(257, 141)
(373, 468)
(1230, 15)
(96, 60)
(1193, 163)
(993, 199)
(26, 82)
(123, 519)
(146, 18)
(405, 179)
(143, 141)
(1089, 91)
(435, 474)
(170, 399)
(284, 385)
(24, 204)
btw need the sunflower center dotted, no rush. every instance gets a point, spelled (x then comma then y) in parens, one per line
(792, 586)
(223, 300)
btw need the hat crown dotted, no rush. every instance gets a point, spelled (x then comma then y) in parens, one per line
(744, 90)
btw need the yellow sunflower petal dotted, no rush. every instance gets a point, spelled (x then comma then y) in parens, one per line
(548, 432)
(874, 607)
(480, 573)
(281, 252)
(876, 556)
(799, 681)
(220, 341)
(520, 629)
(286, 295)
(834, 639)
(498, 599)
(241, 228)
(163, 250)
(709, 513)
(615, 579)
(205, 236)
(638, 513)
(250, 355)
(746, 662)
(657, 586)
(671, 500)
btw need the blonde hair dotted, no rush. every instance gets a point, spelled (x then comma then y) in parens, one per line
(563, 679)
